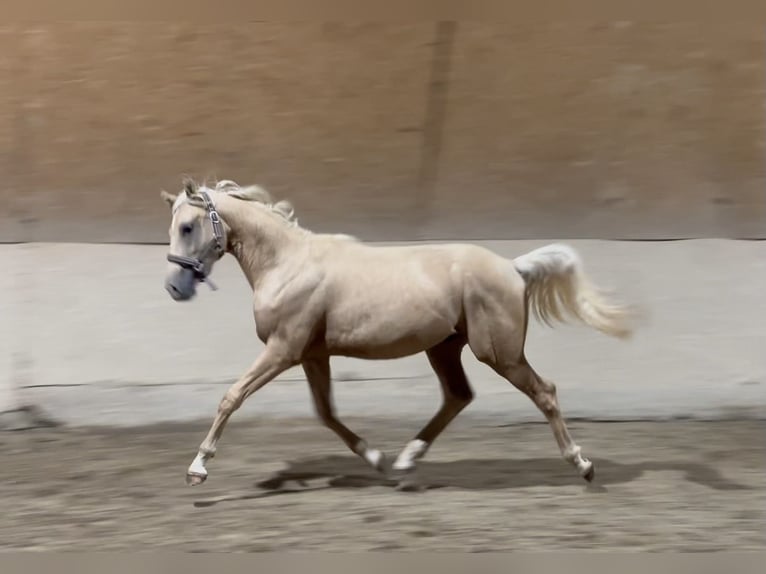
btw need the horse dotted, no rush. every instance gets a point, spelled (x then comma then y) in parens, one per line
(319, 295)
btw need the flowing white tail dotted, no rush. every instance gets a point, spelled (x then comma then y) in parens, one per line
(557, 283)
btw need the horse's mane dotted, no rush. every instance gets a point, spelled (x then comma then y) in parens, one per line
(254, 193)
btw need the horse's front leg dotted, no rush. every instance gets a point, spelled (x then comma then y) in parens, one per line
(318, 376)
(268, 365)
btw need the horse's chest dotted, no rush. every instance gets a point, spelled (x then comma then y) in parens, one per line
(268, 318)
(264, 323)
(280, 314)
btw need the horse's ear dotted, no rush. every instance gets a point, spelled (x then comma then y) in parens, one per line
(168, 198)
(190, 187)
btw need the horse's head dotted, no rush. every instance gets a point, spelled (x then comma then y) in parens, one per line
(197, 240)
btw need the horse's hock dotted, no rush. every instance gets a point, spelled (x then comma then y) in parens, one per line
(434, 130)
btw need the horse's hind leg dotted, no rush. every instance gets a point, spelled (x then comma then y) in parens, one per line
(318, 376)
(497, 337)
(543, 394)
(457, 394)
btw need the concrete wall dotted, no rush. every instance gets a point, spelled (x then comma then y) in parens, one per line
(388, 131)
(422, 131)
(8, 399)
(98, 341)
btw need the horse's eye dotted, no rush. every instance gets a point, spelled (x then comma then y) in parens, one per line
(186, 229)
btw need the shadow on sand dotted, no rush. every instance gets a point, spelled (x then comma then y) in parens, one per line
(350, 472)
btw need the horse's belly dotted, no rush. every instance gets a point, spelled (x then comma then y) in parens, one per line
(387, 332)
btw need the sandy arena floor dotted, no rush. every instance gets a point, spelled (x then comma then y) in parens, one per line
(290, 485)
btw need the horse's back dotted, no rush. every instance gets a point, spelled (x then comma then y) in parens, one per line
(437, 267)
(392, 300)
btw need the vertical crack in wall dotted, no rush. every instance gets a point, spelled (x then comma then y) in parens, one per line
(433, 123)
(22, 160)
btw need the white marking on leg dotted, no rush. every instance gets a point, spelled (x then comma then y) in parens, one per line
(374, 457)
(414, 450)
(198, 465)
(572, 454)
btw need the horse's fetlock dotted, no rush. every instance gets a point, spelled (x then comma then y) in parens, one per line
(572, 453)
(207, 452)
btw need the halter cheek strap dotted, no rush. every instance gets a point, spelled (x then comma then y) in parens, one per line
(215, 245)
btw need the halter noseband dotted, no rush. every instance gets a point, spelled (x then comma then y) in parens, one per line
(196, 264)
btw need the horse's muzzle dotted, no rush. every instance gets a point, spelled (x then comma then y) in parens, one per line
(182, 285)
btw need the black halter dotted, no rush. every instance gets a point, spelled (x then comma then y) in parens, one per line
(215, 245)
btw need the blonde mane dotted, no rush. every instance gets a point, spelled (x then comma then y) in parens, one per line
(257, 194)
(254, 193)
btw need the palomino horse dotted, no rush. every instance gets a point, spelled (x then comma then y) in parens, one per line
(319, 295)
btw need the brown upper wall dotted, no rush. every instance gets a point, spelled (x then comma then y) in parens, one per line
(388, 131)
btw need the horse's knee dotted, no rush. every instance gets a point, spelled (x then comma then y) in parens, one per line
(230, 402)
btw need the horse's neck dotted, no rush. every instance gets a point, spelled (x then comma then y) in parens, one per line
(259, 243)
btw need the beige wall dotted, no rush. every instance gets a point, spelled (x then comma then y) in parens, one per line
(95, 339)
(388, 131)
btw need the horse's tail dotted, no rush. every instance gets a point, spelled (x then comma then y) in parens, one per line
(556, 283)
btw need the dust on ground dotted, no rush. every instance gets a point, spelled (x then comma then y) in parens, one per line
(290, 485)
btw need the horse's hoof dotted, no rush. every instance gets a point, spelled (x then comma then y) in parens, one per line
(193, 478)
(589, 473)
(379, 462)
(376, 460)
